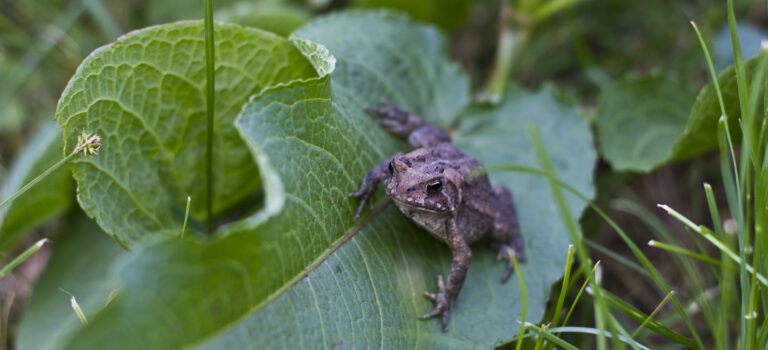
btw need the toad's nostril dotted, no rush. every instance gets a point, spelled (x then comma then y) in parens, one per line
(411, 189)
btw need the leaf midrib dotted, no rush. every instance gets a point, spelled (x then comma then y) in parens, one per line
(341, 241)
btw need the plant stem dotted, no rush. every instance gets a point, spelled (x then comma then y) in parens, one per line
(523, 296)
(78, 311)
(210, 80)
(510, 43)
(102, 17)
(22, 257)
(39, 178)
(186, 217)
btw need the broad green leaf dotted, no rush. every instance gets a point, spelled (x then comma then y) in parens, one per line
(44, 201)
(400, 55)
(144, 95)
(83, 263)
(499, 135)
(638, 120)
(301, 273)
(275, 17)
(642, 125)
(700, 133)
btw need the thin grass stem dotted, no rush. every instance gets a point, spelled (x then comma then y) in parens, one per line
(523, 297)
(186, 217)
(709, 236)
(653, 314)
(563, 291)
(210, 88)
(680, 250)
(22, 257)
(37, 180)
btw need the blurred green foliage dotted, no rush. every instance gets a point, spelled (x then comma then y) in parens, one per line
(631, 65)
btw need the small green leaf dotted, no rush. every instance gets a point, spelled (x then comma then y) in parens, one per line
(42, 202)
(638, 120)
(83, 263)
(144, 95)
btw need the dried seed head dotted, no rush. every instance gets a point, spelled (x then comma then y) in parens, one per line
(90, 144)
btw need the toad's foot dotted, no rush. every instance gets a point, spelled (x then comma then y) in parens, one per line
(504, 255)
(442, 303)
(364, 194)
(395, 119)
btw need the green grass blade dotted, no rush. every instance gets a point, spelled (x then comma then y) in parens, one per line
(649, 323)
(49, 40)
(22, 257)
(692, 276)
(682, 251)
(652, 314)
(709, 236)
(572, 228)
(711, 67)
(593, 331)
(102, 17)
(78, 311)
(551, 337)
(563, 292)
(523, 297)
(618, 258)
(741, 84)
(578, 295)
(647, 265)
(210, 88)
(36, 180)
(186, 217)
(714, 213)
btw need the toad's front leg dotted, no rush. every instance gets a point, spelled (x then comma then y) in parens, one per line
(447, 294)
(368, 186)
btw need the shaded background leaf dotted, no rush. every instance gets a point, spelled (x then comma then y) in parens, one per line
(639, 119)
(700, 132)
(398, 56)
(646, 122)
(42, 202)
(83, 263)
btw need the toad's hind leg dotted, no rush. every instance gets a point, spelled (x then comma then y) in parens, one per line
(410, 126)
(506, 231)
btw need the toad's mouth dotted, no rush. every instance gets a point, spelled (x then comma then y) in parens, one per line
(404, 204)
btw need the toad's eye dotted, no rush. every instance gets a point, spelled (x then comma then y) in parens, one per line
(391, 169)
(434, 187)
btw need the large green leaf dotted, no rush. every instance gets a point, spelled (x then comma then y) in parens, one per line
(302, 273)
(144, 95)
(83, 263)
(639, 120)
(650, 121)
(45, 200)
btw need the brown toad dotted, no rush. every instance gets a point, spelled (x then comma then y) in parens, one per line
(431, 186)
